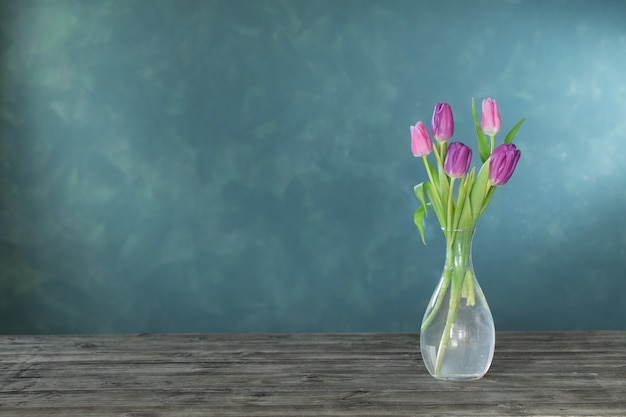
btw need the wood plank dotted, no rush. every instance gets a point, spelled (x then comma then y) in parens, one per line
(551, 373)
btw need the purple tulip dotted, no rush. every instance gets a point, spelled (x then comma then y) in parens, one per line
(442, 125)
(421, 144)
(490, 121)
(458, 160)
(502, 163)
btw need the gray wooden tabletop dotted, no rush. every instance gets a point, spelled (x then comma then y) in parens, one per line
(533, 374)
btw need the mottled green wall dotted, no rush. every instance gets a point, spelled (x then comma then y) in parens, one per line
(221, 166)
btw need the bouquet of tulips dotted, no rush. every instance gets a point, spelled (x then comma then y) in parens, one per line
(453, 160)
(458, 211)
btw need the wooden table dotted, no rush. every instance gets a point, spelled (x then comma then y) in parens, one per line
(547, 374)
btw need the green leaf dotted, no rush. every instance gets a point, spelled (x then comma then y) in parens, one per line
(484, 148)
(487, 199)
(467, 220)
(463, 206)
(444, 189)
(470, 178)
(418, 219)
(459, 205)
(419, 193)
(511, 135)
(479, 190)
(435, 198)
(443, 150)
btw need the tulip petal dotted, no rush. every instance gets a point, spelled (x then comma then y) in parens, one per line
(503, 162)
(442, 124)
(421, 145)
(458, 160)
(490, 122)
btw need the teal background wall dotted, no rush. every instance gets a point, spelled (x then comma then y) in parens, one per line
(245, 166)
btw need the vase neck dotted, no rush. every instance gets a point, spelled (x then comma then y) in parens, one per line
(459, 247)
(453, 235)
(459, 231)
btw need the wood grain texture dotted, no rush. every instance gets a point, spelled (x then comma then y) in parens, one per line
(533, 374)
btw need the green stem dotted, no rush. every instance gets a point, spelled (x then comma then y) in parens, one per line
(437, 152)
(444, 287)
(448, 225)
(455, 273)
(437, 156)
(453, 307)
(440, 149)
(484, 207)
(468, 289)
(427, 165)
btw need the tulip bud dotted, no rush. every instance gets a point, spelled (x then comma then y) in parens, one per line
(458, 160)
(442, 125)
(502, 163)
(421, 144)
(490, 121)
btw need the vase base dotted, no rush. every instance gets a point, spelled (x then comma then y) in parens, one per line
(458, 378)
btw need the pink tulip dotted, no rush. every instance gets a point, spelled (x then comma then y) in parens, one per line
(442, 124)
(421, 144)
(490, 121)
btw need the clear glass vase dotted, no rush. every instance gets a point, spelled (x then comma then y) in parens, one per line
(457, 337)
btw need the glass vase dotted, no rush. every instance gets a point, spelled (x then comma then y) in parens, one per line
(457, 337)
